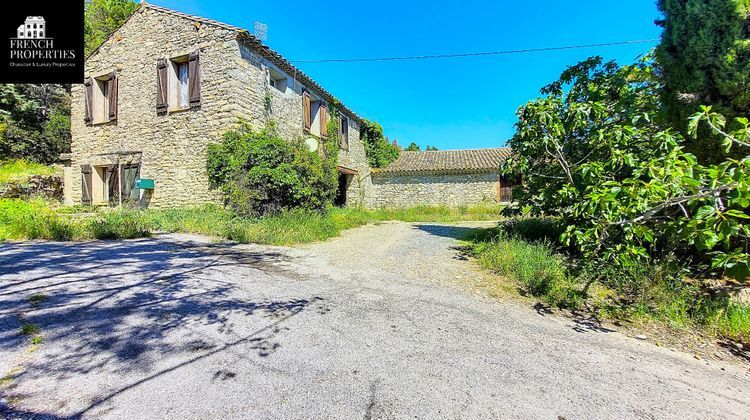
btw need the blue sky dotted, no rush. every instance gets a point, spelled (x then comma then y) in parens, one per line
(448, 103)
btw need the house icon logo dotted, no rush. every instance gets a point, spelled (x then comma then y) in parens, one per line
(34, 27)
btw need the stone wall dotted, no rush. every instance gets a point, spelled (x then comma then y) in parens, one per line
(173, 146)
(406, 190)
(49, 187)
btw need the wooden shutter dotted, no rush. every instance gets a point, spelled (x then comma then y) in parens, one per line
(161, 86)
(88, 100)
(113, 181)
(344, 132)
(86, 184)
(113, 96)
(194, 78)
(129, 174)
(323, 121)
(306, 107)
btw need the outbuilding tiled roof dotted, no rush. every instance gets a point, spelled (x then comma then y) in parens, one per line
(449, 161)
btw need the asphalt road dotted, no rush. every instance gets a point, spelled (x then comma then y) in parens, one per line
(370, 325)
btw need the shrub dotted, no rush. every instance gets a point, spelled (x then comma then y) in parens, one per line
(594, 154)
(119, 224)
(380, 152)
(259, 173)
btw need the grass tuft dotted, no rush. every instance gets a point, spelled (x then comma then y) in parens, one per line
(37, 298)
(28, 328)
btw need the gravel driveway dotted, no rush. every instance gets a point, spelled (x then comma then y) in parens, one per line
(368, 325)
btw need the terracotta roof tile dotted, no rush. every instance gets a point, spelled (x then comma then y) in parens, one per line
(452, 161)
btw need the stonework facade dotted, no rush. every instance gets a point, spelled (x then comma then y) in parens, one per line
(436, 189)
(237, 78)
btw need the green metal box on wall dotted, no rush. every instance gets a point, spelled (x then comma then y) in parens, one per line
(144, 184)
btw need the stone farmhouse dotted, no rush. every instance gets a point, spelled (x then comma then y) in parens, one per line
(166, 84)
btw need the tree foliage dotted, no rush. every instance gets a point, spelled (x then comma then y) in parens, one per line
(260, 173)
(380, 152)
(102, 18)
(594, 153)
(34, 121)
(704, 56)
(412, 147)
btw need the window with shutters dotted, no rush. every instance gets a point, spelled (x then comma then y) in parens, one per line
(315, 114)
(101, 99)
(178, 83)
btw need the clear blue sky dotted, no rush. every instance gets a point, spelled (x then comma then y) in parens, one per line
(448, 103)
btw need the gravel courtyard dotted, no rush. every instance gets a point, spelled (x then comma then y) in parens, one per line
(370, 325)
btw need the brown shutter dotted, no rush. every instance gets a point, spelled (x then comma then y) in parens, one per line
(194, 78)
(88, 98)
(306, 107)
(114, 184)
(86, 184)
(113, 96)
(161, 86)
(344, 132)
(323, 121)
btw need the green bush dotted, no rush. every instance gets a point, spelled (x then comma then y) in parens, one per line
(259, 173)
(380, 152)
(119, 224)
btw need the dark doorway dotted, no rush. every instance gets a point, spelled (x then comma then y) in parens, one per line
(344, 180)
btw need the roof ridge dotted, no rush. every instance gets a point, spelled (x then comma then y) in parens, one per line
(193, 17)
(457, 150)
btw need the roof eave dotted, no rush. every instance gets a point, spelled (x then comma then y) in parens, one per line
(439, 172)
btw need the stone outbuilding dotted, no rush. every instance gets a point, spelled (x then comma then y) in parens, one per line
(166, 85)
(447, 177)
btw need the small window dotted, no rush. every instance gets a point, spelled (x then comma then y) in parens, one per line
(180, 83)
(315, 116)
(182, 76)
(277, 80)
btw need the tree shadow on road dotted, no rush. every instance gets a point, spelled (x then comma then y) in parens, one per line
(448, 231)
(117, 306)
